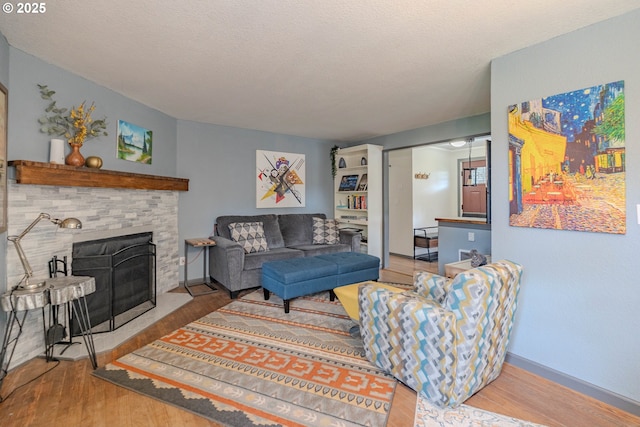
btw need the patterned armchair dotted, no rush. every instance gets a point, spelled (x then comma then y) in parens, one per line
(446, 339)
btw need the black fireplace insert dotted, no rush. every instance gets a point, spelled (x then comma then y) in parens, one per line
(125, 271)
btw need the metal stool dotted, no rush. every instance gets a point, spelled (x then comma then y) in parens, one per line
(425, 237)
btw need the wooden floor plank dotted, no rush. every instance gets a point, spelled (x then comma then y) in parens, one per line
(70, 396)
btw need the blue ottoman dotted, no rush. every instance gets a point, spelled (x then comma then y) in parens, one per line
(297, 277)
(354, 267)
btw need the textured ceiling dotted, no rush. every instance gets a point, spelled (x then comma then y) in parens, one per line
(331, 69)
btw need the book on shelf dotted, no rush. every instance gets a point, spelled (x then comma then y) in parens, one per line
(357, 202)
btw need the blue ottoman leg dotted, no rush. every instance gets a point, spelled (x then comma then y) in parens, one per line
(332, 295)
(266, 293)
(286, 306)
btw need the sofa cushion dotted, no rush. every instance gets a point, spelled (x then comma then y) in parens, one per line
(250, 235)
(255, 260)
(313, 250)
(325, 231)
(297, 229)
(269, 224)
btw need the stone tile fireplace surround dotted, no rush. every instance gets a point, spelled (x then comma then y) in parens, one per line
(104, 212)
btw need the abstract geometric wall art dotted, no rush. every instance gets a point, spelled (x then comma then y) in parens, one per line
(280, 180)
(567, 161)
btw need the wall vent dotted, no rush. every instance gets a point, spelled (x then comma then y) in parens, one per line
(464, 254)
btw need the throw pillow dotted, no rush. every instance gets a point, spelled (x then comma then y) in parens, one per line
(325, 231)
(250, 235)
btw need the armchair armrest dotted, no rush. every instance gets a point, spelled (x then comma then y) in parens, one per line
(411, 337)
(226, 262)
(352, 238)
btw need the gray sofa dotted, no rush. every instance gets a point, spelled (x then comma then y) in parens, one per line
(288, 236)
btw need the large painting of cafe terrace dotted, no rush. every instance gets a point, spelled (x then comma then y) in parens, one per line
(567, 161)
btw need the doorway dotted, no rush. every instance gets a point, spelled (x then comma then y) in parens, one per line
(473, 188)
(423, 183)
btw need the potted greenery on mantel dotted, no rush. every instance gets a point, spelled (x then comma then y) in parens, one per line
(76, 125)
(334, 168)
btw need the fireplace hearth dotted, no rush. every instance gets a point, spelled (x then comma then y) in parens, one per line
(125, 271)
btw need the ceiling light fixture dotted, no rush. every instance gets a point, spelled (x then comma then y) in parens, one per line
(458, 144)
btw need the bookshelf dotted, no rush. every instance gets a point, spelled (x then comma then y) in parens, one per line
(358, 193)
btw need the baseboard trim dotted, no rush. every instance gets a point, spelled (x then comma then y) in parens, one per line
(576, 384)
(401, 255)
(196, 282)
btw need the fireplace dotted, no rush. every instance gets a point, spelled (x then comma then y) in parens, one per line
(125, 271)
(104, 212)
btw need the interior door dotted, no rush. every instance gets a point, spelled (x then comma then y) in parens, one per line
(474, 188)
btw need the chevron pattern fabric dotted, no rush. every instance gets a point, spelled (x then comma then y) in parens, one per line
(325, 231)
(250, 235)
(431, 284)
(374, 320)
(444, 339)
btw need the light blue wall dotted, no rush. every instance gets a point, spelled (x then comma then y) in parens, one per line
(4, 79)
(220, 162)
(455, 236)
(580, 294)
(26, 142)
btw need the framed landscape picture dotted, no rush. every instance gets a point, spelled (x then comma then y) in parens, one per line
(134, 143)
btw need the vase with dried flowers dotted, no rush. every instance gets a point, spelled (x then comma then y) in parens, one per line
(76, 125)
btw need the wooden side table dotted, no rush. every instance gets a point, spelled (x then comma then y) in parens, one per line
(205, 243)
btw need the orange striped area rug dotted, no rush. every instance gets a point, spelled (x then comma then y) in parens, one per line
(249, 363)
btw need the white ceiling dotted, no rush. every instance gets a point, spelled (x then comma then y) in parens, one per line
(332, 69)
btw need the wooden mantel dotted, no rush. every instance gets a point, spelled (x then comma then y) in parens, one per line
(38, 173)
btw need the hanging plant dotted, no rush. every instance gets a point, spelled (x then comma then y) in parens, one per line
(334, 168)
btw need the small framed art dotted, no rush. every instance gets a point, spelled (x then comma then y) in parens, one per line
(348, 183)
(362, 185)
(135, 143)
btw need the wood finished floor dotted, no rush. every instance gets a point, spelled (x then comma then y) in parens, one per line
(69, 395)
